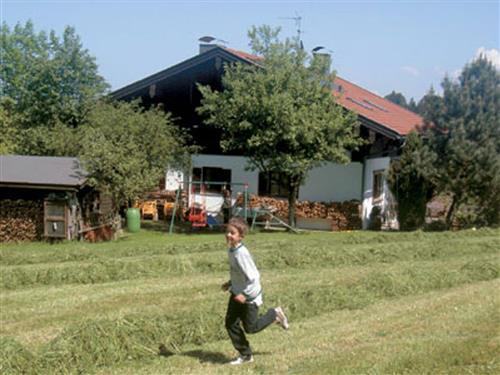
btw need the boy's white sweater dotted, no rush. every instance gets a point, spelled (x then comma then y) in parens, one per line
(245, 277)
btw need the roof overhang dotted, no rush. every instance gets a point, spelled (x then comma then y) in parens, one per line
(137, 87)
(376, 127)
(40, 186)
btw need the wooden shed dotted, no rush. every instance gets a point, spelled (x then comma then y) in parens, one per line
(46, 197)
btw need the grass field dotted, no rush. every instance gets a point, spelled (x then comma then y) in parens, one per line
(359, 303)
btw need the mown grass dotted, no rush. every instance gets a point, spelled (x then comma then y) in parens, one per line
(76, 307)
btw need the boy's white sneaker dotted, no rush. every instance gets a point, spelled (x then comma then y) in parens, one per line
(281, 318)
(242, 359)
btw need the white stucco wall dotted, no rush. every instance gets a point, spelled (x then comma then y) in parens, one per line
(333, 182)
(372, 165)
(237, 166)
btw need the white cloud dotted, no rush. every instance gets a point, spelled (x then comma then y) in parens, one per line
(492, 55)
(411, 70)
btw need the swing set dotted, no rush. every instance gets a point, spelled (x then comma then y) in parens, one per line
(198, 214)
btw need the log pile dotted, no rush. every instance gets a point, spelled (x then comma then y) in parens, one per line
(21, 220)
(344, 215)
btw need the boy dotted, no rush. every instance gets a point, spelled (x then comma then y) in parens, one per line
(246, 295)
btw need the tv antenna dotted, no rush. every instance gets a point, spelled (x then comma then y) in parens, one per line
(298, 22)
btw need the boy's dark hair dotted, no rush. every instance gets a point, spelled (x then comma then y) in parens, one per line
(239, 224)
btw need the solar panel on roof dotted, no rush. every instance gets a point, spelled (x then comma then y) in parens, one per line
(376, 105)
(360, 103)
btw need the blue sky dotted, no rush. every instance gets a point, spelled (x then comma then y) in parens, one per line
(405, 46)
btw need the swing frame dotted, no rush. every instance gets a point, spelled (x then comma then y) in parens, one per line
(200, 218)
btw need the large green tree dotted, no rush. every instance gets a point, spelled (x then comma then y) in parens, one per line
(281, 114)
(46, 81)
(126, 149)
(463, 142)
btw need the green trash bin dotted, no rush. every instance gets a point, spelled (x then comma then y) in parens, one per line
(133, 220)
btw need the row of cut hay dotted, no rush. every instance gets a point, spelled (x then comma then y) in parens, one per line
(159, 245)
(408, 279)
(268, 256)
(78, 252)
(103, 271)
(92, 343)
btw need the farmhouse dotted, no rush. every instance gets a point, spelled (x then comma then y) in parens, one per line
(382, 123)
(46, 197)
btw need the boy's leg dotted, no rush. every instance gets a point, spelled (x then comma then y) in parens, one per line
(233, 318)
(252, 323)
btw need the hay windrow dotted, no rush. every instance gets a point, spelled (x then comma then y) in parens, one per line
(273, 255)
(14, 358)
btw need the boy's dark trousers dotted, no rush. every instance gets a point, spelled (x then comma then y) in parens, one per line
(246, 313)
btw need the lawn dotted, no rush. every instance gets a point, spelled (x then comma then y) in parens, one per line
(359, 303)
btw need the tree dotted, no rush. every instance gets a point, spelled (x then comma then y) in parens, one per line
(10, 136)
(429, 105)
(127, 149)
(410, 188)
(412, 105)
(397, 98)
(46, 81)
(463, 142)
(281, 114)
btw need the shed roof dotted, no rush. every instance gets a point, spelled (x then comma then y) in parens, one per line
(41, 170)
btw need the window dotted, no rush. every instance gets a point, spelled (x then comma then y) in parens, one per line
(206, 175)
(378, 185)
(273, 184)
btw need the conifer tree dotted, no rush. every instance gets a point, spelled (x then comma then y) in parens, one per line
(463, 142)
(397, 98)
(410, 188)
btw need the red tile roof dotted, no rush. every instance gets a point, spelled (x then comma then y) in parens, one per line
(364, 103)
(375, 108)
(244, 55)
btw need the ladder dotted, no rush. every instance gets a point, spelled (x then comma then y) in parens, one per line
(272, 223)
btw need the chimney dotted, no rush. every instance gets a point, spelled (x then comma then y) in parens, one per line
(206, 47)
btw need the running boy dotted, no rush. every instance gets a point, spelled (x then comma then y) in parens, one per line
(246, 295)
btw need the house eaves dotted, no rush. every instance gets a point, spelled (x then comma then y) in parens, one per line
(217, 51)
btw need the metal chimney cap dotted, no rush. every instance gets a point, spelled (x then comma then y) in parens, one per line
(207, 39)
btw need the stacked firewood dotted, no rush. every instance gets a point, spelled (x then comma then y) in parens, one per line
(344, 215)
(277, 206)
(21, 220)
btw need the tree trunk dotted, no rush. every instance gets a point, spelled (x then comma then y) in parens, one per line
(451, 211)
(292, 198)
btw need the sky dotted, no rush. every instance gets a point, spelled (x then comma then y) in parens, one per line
(406, 46)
